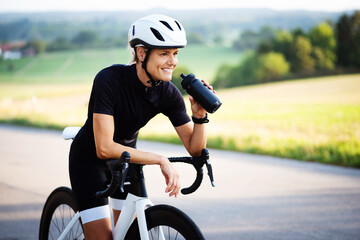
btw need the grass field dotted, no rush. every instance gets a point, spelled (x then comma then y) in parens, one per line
(314, 120)
(82, 65)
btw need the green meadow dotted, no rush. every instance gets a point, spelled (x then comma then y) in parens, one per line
(315, 119)
(82, 65)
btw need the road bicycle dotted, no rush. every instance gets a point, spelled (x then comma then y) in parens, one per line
(139, 218)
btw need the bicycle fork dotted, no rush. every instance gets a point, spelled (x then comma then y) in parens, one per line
(135, 205)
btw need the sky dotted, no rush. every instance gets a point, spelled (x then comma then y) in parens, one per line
(115, 5)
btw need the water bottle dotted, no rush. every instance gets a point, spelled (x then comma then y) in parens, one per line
(200, 92)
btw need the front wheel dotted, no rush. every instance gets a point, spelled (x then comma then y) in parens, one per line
(59, 209)
(174, 223)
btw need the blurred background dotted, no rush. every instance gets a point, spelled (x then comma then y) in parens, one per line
(286, 71)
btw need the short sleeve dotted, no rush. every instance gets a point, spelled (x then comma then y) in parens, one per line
(103, 94)
(175, 108)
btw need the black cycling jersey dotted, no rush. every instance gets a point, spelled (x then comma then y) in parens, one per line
(118, 91)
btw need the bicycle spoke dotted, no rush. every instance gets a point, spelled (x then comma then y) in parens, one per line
(55, 224)
(51, 236)
(59, 210)
(61, 218)
(152, 237)
(169, 233)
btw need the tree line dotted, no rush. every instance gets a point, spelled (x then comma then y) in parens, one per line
(272, 55)
(90, 39)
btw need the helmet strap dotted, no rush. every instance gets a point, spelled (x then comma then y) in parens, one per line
(144, 63)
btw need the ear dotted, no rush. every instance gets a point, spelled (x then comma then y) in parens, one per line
(141, 54)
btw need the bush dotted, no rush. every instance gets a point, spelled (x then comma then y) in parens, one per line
(86, 39)
(223, 77)
(302, 62)
(39, 46)
(59, 44)
(255, 68)
(272, 67)
(321, 61)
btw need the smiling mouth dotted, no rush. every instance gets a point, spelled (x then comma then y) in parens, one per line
(168, 70)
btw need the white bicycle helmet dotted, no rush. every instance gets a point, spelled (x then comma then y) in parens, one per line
(157, 31)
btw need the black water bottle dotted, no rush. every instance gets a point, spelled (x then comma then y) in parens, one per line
(200, 92)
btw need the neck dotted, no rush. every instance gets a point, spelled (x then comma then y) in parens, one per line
(142, 75)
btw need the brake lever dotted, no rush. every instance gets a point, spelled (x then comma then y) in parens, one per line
(206, 159)
(124, 170)
(118, 169)
(210, 172)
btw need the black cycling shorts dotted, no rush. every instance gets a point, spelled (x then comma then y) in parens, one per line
(89, 175)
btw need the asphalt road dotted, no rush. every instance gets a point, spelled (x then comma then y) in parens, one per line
(256, 197)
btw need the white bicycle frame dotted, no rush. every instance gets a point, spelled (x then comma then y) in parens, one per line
(133, 205)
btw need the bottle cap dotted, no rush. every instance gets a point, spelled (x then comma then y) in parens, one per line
(186, 79)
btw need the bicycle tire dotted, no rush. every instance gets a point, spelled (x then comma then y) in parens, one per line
(175, 224)
(59, 209)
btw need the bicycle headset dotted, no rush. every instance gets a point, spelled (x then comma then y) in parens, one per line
(156, 31)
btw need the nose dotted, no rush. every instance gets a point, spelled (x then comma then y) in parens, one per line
(172, 60)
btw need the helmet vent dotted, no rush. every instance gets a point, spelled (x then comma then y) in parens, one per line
(157, 34)
(133, 30)
(167, 25)
(178, 25)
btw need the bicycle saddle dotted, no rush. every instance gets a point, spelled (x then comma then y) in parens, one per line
(70, 132)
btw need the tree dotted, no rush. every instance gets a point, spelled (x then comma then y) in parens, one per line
(280, 41)
(302, 62)
(343, 51)
(240, 74)
(194, 38)
(86, 39)
(59, 44)
(17, 30)
(223, 77)
(321, 61)
(255, 68)
(265, 47)
(38, 46)
(323, 38)
(348, 40)
(298, 32)
(267, 33)
(356, 38)
(248, 40)
(272, 66)
(283, 43)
